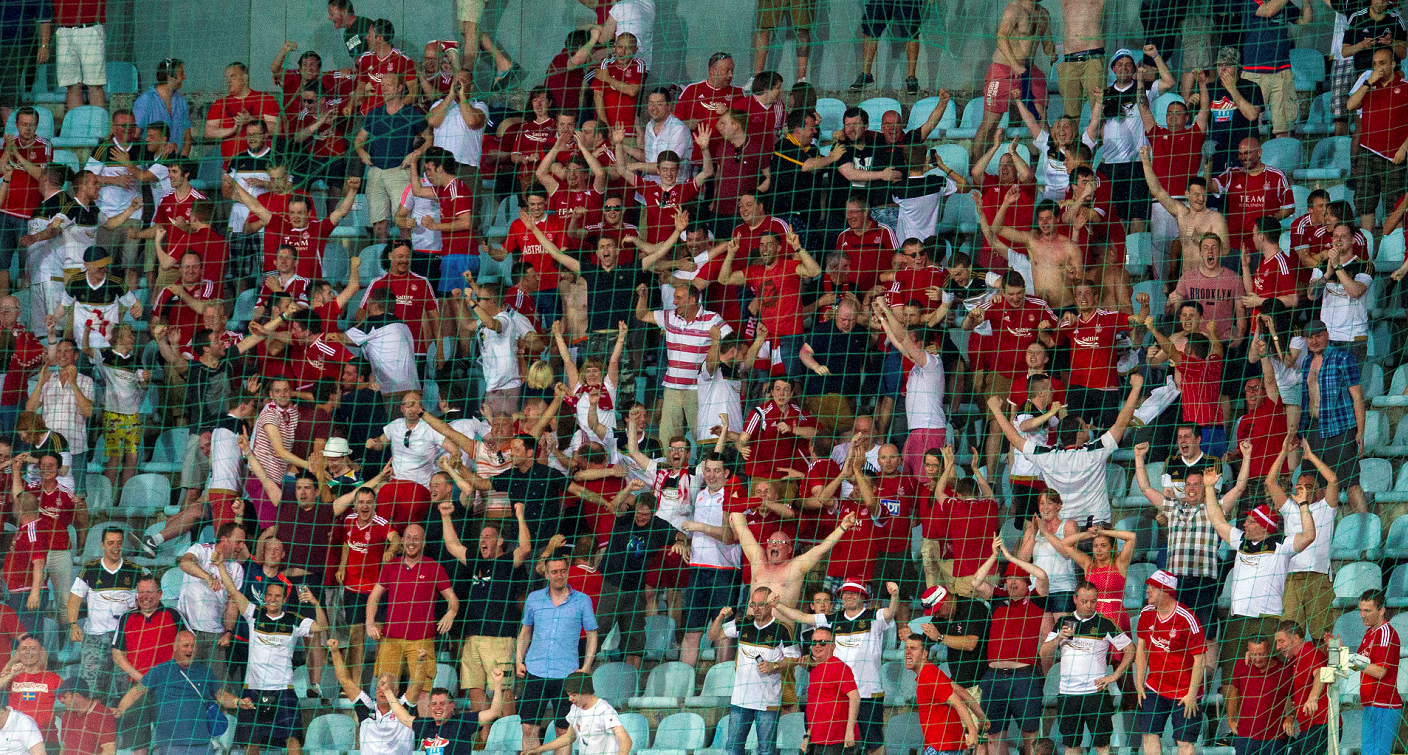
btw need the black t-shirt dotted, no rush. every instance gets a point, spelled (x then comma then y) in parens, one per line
(970, 618)
(791, 186)
(454, 737)
(354, 37)
(841, 353)
(1361, 26)
(361, 414)
(631, 546)
(491, 591)
(435, 537)
(612, 293)
(540, 490)
(1228, 127)
(871, 155)
(208, 391)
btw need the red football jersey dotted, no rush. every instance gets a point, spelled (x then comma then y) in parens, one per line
(522, 241)
(24, 194)
(371, 68)
(455, 200)
(308, 241)
(1092, 339)
(366, 544)
(662, 204)
(415, 296)
(697, 103)
(1248, 196)
(177, 314)
(1172, 644)
(871, 253)
(620, 107)
(1014, 329)
(224, 110)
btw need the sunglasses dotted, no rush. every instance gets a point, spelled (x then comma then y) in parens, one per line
(407, 439)
(613, 208)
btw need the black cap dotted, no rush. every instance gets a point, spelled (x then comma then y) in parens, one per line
(1313, 327)
(74, 685)
(96, 254)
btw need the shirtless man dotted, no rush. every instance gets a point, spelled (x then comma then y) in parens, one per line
(1056, 260)
(774, 567)
(1023, 24)
(1194, 217)
(1082, 67)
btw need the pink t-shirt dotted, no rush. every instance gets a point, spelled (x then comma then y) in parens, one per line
(1217, 295)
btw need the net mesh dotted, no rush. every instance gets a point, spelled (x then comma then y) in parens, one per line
(697, 378)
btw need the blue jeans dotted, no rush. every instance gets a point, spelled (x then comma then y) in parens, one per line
(204, 749)
(739, 721)
(789, 353)
(1380, 726)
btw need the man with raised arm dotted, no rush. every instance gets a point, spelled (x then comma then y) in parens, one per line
(772, 563)
(1075, 466)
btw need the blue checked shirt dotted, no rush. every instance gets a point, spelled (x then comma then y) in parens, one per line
(1338, 371)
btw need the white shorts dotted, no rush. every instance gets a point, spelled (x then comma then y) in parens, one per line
(80, 57)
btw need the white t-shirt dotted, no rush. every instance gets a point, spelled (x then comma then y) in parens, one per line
(203, 608)
(593, 728)
(498, 351)
(1051, 173)
(391, 350)
(674, 135)
(860, 644)
(238, 212)
(1022, 466)
(225, 460)
(113, 199)
(1345, 318)
(465, 143)
(413, 456)
(1258, 580)
(382, 733)
(770, 642)
(704, 550)
(1085, 655)
(1316, 556)
(718, 394)
(1078, 474)
(272, 641)
(924, 395)
(422, 239)
(919, 216)
(19, 733)
(106, 604)
(638, 18)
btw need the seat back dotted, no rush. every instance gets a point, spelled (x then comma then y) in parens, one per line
(147, 491)
(171, 586)
(1330, 152)
(331, 731)
(719, 681)
(1284, 153)
(831, 111)
(171, 444)
(903, 735)
(876, 107)
(1350, 629)
(616, 682)
(1354, 578)
(680, 731)
(506, 735)
(954, 156)
(86, 122)
(638, 727)
(122, 78)
(1161, 107)
(670, 679)
(1375, 475)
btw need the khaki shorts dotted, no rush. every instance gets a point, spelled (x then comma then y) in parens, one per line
(469, 10)
(479, 656)
(789, 686)
(1081, 75)
(392, 654)
(80, 56)
(1307, 601)
(384, 189)
(771, 13)
(993, 384)
(937, 569)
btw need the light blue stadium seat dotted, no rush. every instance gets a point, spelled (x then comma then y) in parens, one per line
(171, 587)
(1285, 154)
(971, 120)
(1398, 447)
(1308, 68)
(720, 741)
(331, 732)
(638, 728)
(168, 453)
(1155, 290)
(1395, 545)
(355, 223)
(616, 682)
(676, 734)
(122, 78)
(1396, 593)
(1329, 160)
(1319, 121)
(41, 89)
(667, 686)
(1390, 254)
(1375, 475)
(1356, 536)
(903, 734)
(920, 111)
(83, 126)
(831, 111)
(1139, 252)
(717, 688)
(659, 635)
(1134, 585)
(505, 737)
(1353, 579)
(876, 107)
(337, 264)
(144, 495)
(954, 157)
(370, 267)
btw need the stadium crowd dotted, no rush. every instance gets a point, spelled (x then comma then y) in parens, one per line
(732, 375)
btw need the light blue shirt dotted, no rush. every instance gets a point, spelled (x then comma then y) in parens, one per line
(552, 653)
(149, 109)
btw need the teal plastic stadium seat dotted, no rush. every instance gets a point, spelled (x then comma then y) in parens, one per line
(83, 126)
(1353, 579)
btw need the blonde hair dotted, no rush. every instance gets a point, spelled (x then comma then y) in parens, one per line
(540, 375)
